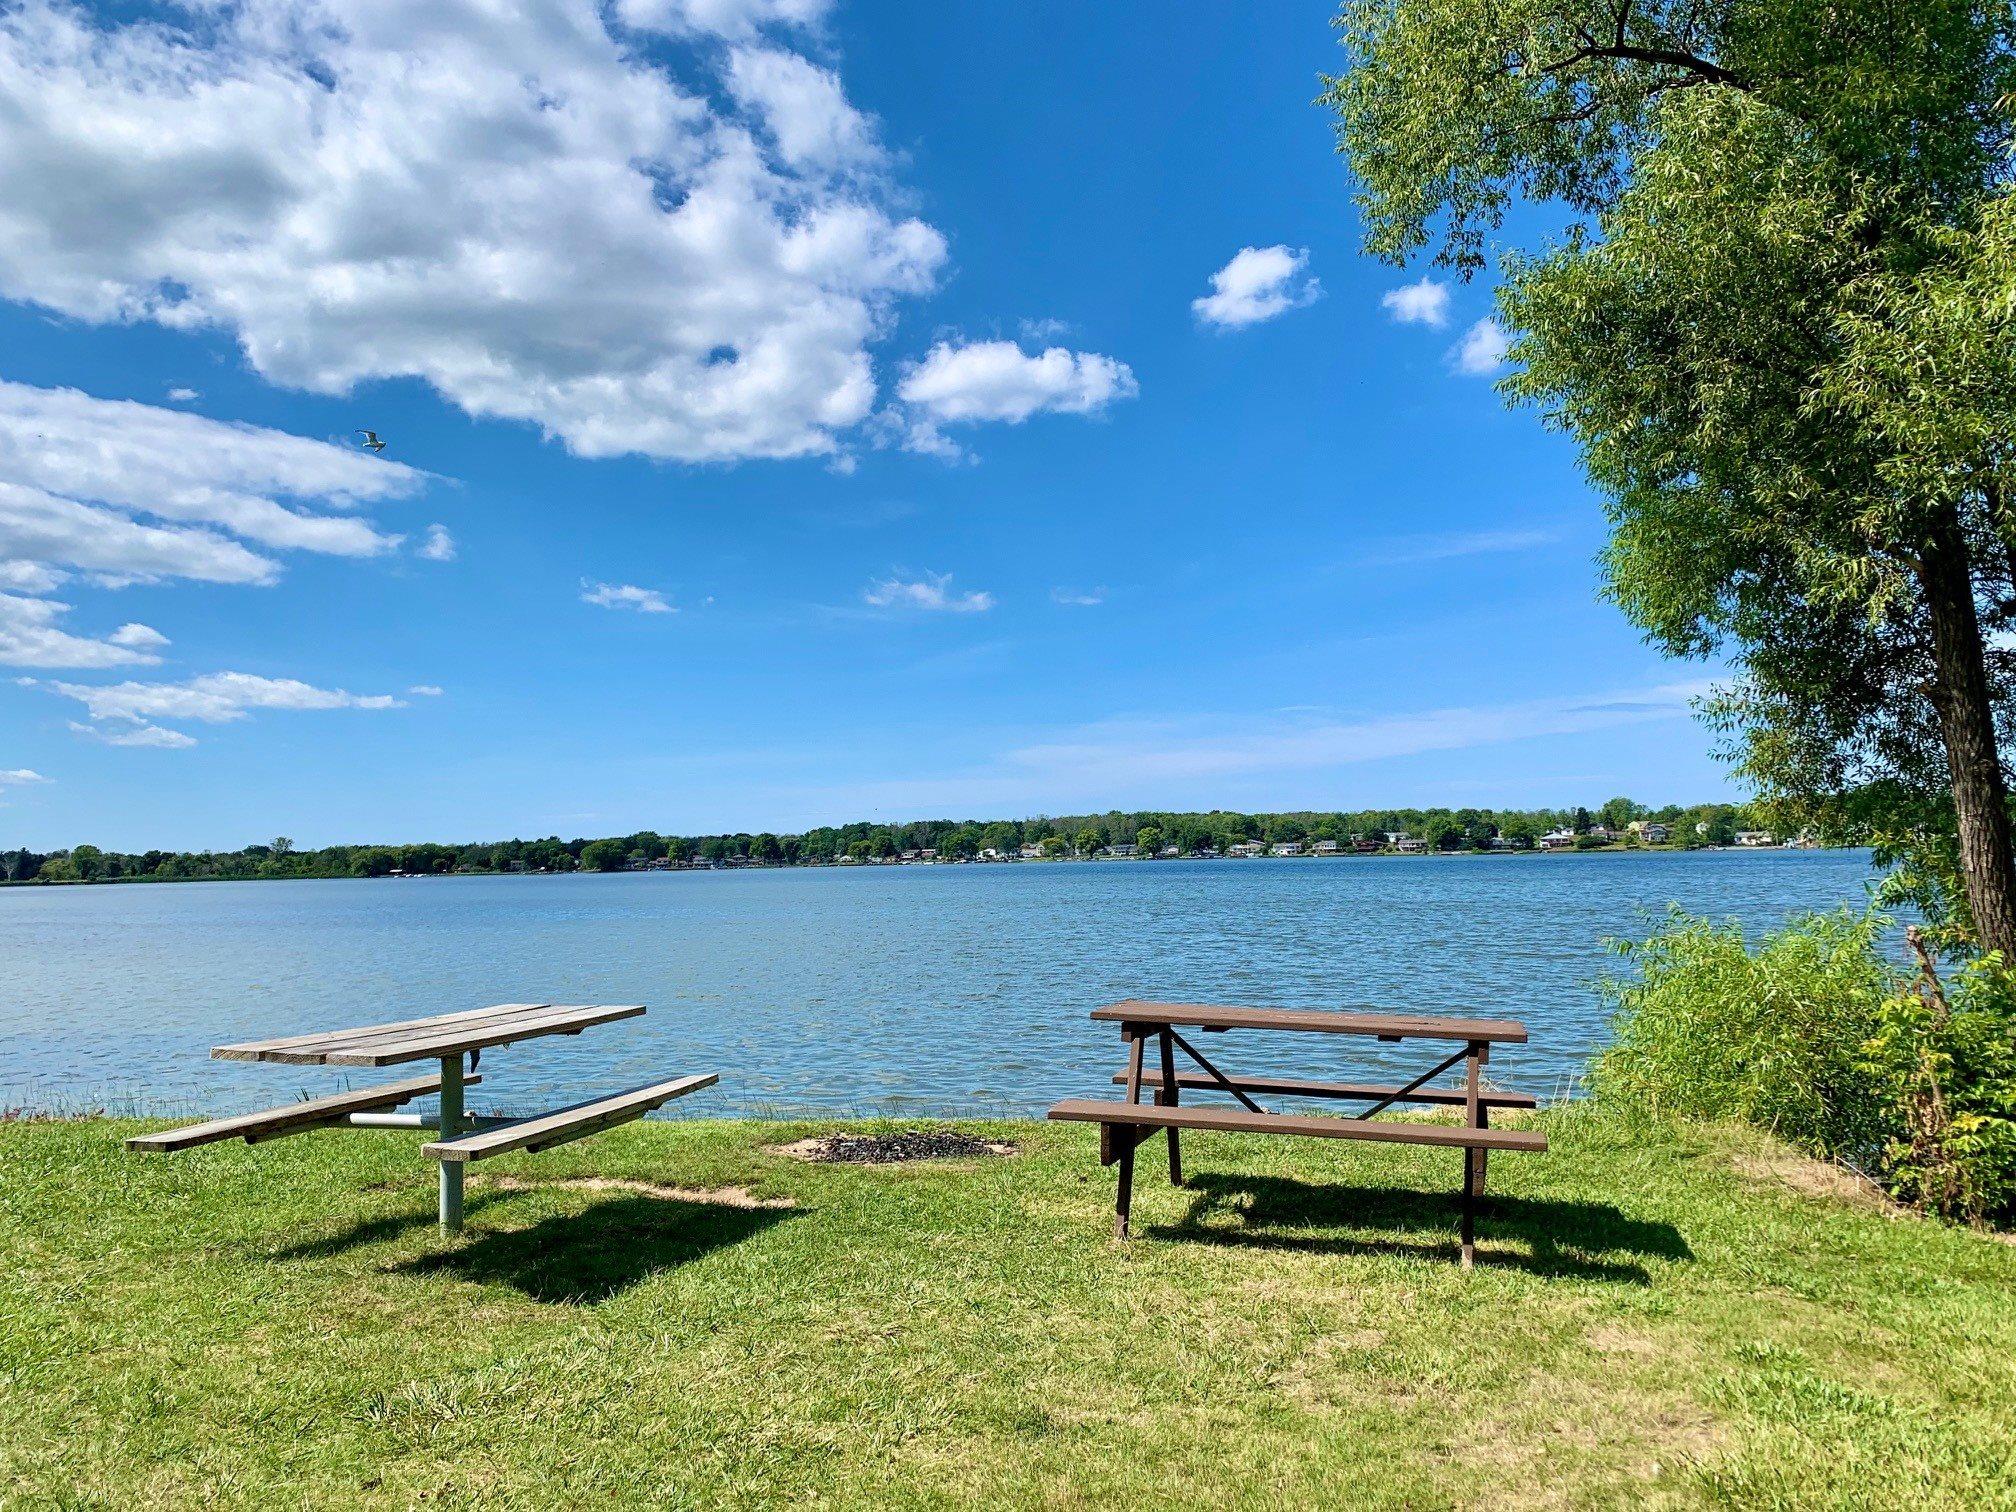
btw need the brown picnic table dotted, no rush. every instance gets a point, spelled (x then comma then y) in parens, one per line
(445, 1038)
(1127, 1123)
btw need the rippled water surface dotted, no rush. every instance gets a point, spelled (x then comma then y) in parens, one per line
(858, 990)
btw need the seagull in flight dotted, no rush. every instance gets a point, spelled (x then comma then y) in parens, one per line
(371, 442)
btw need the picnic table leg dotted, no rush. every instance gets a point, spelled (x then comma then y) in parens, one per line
(451, 1127)
(1123, 1202)
(1473, 1165)
(1167, 1096)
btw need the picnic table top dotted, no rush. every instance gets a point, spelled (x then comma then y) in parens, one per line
(1314, 1020)
(433, 1038)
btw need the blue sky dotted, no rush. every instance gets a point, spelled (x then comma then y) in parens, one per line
(793, 413)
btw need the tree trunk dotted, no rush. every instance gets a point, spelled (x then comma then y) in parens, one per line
(1966, 719)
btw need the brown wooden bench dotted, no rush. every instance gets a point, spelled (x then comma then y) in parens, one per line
(566, 1124)
(1123, 1125)
(295, 1118)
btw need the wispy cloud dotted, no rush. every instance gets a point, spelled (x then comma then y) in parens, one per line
(1481, 352)
(625, 596)
(930, 592)
(30, 636)
(1135, 754)
(136, 735)
(1424, 303)
(127, 708)
(1197, 760)
(21, 777)
(183, 395)
(424, 690)
(1400, 551)
(1078, 596)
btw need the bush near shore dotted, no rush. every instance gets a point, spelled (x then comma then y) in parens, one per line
(1818, 1036)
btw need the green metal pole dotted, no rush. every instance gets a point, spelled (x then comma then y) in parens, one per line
(451, 1128)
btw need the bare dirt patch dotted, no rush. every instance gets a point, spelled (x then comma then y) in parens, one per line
(894, 1149)
(1813, 1178)
(734, 1196)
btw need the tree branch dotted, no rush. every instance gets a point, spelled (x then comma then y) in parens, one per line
(1700, 68)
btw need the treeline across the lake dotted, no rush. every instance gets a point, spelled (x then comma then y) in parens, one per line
(1139, 835)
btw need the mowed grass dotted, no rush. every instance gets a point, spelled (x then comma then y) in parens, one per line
(1661, 1316)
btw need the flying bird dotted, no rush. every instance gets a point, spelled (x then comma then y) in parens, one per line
(371, 442)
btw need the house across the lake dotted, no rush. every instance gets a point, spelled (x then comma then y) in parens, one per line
(1755, 837)
(1557, 839)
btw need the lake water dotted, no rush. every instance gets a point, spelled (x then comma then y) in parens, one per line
(845, 990)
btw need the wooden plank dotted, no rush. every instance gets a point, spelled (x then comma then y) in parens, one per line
(558, 1127)
(1234, 1121)
(259, 1049)
(1295, 1086)
(295, 1118)
(317, 1052)
(1314, 1020)
(570, 1020)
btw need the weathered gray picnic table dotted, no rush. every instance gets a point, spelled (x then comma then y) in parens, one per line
(445, 1038)
(1125, 1124)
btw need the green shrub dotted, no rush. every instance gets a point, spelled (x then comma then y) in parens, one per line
(1948, 1072)
(1708, 1028)
(1816, 1035)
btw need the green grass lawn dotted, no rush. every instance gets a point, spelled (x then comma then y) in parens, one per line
(1659, 1316)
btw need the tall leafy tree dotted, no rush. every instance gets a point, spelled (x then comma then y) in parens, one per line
(1776, 317)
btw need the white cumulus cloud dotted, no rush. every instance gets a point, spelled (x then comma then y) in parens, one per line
(625, 596)
(512, 203)
(20, 777)
(803, 107)
(439, 546)
(1258, 284)
(1481, 352)
(971, 382)
(1423, 303)
(721, 18)
(932, 591)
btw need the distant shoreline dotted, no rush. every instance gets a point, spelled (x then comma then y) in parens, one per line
(849, 864)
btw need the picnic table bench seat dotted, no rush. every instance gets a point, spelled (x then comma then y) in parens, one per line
(294, 1118)
(1295, 1086)
(563, 1125)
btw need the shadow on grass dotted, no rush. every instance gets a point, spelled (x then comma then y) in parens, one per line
(378, 1230)
(1586, 1240)
(588, 1257)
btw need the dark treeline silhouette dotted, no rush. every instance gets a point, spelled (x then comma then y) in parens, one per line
(1144, 833)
